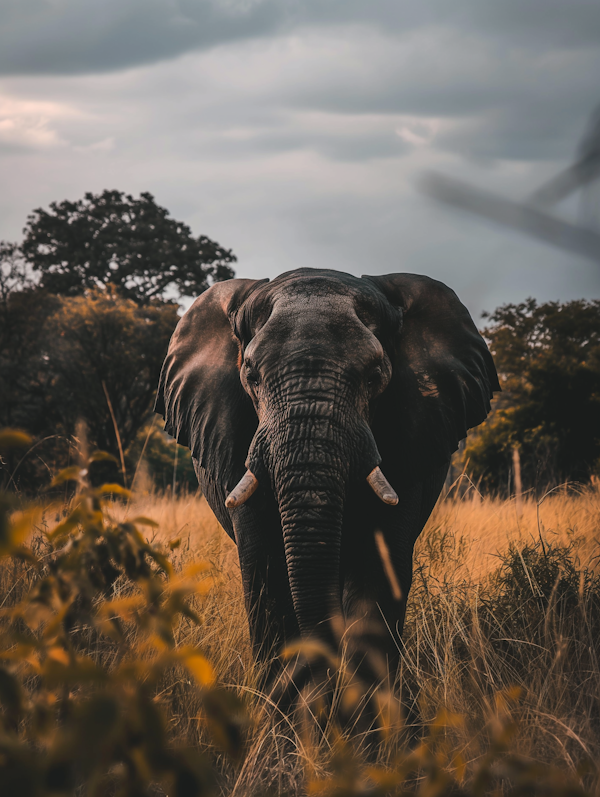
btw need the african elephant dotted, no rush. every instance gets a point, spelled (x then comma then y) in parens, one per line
(295, 397)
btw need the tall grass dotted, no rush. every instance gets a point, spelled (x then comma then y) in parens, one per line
(512, 600)
(504, 601)
(500, 671)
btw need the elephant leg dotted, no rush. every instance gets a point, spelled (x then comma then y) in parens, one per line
(369, 600)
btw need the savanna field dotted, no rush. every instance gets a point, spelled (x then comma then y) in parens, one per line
(125, 661)
(500, 681)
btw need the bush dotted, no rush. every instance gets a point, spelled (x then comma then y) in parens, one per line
(166, 463)
(87, 648)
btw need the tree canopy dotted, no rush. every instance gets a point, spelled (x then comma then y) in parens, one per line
(85, 320)
(104, 354)
(548, 358)
(23, 311)
(113, 238)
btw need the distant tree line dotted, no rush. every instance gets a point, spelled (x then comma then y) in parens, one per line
(87, 307)
(548, 359)
(88, 304)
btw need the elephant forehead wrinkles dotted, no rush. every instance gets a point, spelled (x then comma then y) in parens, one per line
(307, 316)
(321, 400)
(312, 431)
(309, 379)
(308, 336)
(314, 364)
(312, 408)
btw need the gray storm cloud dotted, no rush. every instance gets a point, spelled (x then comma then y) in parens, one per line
(76, 36)
(293, 131)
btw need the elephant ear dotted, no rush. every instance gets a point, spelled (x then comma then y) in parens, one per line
(443, 374)
(200, 394)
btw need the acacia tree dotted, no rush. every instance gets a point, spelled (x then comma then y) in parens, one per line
(548, 358)
(113, 238)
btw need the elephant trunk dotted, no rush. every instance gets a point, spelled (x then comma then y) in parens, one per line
(311, 519)
(311, 458)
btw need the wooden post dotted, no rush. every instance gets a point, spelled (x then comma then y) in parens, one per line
(518, 482)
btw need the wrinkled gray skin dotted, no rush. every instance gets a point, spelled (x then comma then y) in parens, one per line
(311, 381)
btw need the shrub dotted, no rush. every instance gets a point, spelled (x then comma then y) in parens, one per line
(88, 645)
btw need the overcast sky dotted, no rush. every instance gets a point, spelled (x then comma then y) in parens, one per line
(293, 131)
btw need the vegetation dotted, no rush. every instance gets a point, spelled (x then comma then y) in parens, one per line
(548, 358)
(113, 238)
(89, 645)
(125, 664)
(85, 324)
(102, 357)
(95, 358)
(155, 462)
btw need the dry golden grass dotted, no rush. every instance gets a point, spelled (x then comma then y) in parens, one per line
(476, 530)
(455, 657)
(467, 533)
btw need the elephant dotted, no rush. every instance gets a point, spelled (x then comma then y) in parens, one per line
(321, 410)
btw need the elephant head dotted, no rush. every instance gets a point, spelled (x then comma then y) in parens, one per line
(311, 404)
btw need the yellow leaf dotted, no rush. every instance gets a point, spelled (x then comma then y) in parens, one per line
(193, 570)
(200, 668)
(17, 653)
(13, 438)
(123, 607)
(67, 526)
(514, 694)
(114, 489)
(101, 456)
(507, 697)
(145, 521)
(21, 525)
(36, 614)
(60, 655)
(460, 766)
(446, 719)
(73, 473)
(311, 648)
(188, 576)
(109, 629)
(152, 643)
(140, 763)
(351, 697)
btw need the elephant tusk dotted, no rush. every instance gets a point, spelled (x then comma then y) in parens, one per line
(242, 491)
(381, 487)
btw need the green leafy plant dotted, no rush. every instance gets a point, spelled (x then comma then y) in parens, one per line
(71, 717)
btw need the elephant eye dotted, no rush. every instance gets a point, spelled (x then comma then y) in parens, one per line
(374, 377)
(252, 375)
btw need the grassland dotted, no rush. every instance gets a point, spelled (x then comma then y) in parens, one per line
(500, 659)
(504, 597)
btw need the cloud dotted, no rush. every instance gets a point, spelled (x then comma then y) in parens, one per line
(293, 132)
(31, 124)
(78, 36)
(82, 36)
(104, 145)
